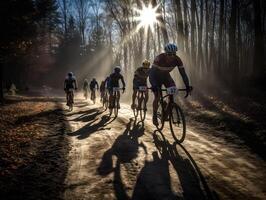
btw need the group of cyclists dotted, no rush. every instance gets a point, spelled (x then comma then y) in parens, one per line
(158, 73)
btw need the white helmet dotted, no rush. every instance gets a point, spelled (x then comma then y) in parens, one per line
(170, 48)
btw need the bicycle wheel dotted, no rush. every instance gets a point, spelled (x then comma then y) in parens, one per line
(160, 117)
(142, 107)
(177, 123)
(135, 109)
(116, 106)
(135, 112)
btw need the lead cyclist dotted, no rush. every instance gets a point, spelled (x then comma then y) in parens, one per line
(159, 75)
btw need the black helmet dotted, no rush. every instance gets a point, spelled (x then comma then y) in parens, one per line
(117, 69)
(70, 74)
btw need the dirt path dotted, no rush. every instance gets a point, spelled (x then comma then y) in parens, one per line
(121, 159)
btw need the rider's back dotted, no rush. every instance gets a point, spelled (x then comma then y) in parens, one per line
(70, 82)
(166, 63)
(114, 78)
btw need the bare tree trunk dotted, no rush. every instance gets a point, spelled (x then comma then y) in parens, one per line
(206, 34)
(186, 33)
(1, 83)
(232, 42)
(162, 23)
(179, 24)
(212, 59)
(259, 57)
(220, 38)
(192, 31)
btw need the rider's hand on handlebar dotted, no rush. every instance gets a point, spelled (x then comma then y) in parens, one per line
(188, 91)
(123, 89)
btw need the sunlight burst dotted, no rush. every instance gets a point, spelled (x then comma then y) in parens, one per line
(147, 17)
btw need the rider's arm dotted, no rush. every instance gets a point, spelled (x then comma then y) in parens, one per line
(97, 85)
(123, 82)
(184, 75)
(76, 84)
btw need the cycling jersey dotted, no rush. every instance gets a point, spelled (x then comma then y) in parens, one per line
(114, 79)
(141, 73)
(70, 83)
(140, 77)
(160, 72)
(93, 85)
(166, 63)
(102, 86)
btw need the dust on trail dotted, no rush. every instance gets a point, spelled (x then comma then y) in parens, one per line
(121, 159)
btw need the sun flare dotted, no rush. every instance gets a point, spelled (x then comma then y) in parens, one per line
(147, 17)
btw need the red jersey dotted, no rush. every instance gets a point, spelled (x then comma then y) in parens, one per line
(167, 62)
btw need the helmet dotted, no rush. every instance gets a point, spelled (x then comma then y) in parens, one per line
(170, 48)
(70, 74)
(117, 69)
(146, 63)
(94, 79)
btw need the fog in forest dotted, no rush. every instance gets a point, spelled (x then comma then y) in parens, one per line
(221, 42)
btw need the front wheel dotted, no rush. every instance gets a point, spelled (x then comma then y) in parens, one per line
(177, 123)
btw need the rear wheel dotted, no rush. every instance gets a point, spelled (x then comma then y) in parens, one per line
(116, 105)
(160, 117)
(142, 107)
(177, 123)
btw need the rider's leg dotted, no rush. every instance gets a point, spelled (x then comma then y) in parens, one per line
(146, 98)
(110, 98)
(67, 98)
(118, 98)
(133, 105)
(155, 106)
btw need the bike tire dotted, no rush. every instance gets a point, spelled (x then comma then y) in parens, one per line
(142, 106)
(135, 112)
(160, 117)
(178, 133)
(116, 106)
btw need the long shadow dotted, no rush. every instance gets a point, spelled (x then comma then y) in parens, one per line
(92, 127)
(44, 174)
(125, 148)
(83, 112)
(154, 181)
(192, 181)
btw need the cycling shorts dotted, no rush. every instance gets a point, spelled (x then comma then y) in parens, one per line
(158, 78)
(137, 82)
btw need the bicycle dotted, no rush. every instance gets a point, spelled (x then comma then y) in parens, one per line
(172, 112)
(141, 105)
(114, 104)
(70, 99)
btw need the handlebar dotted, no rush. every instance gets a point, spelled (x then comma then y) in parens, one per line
(177, 89)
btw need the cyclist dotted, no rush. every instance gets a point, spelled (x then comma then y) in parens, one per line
(85, 87)
(93, 85)
(102, 89)
(140, 79)
(113, 81)
(159, 74)
(70, 83)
